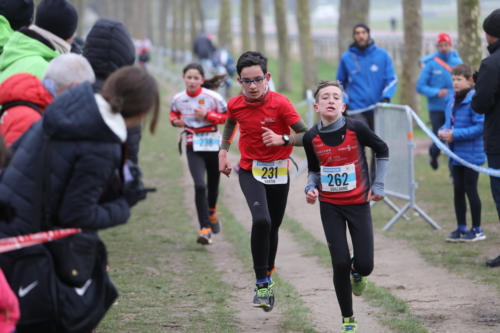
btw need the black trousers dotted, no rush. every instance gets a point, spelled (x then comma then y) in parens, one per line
(358, 219)
(465, 182)
(201, 163)
(437, 120)
(267, 205)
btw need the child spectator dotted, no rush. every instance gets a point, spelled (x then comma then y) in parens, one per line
(338, 175)
(463, 130)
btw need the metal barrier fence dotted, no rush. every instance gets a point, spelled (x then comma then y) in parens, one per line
(393, 123)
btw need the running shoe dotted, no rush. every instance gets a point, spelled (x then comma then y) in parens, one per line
(349, 324)
(474, 235)
(456, 236)
(215, 223)
(358, 283)
(205, 236)
(264, 296)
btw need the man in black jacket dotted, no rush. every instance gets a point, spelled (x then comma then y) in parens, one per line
(487, 101)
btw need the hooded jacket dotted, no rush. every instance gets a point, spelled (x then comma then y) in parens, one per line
(24, 54)
(435, 77)
(85, 155)
(487, 98)
(16, 120)
(5, 32)
(108, 47)
(467, 131)
(367, 76)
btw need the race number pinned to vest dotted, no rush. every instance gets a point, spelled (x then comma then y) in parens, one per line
(338, 178)
(209, 141)
(275, 172)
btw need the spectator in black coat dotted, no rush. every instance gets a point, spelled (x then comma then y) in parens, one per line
(86, 132)
(108, 47)
(487, 101)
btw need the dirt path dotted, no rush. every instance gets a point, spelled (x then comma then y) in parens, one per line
(442, 300)
(312, 281)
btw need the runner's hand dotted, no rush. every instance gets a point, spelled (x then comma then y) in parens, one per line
(200, 112)
(179, 123)
(376, 197)
(271, 139)
(224, 164)
(311, 196)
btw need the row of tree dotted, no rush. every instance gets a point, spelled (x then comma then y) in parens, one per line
(154, 18)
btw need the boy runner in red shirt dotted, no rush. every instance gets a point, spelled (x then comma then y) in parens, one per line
(338, 175)
(265, 118)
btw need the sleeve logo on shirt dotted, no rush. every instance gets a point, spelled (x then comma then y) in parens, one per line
(201, 101)
(374, 68)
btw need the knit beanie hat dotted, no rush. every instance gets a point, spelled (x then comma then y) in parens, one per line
(362, 25)
(19, 13)
(491, 24)
(57, 16)
(444, 38)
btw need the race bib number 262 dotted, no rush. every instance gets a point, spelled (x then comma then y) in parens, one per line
(338, 178)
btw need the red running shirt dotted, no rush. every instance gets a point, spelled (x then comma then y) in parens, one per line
(276, 113)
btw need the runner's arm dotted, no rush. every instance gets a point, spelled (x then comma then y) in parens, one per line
(313, 178)
(300, 128)
(228, 133)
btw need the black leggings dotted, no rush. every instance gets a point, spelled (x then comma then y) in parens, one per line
(199, 162)
(267, 205)
(465, 181)
(359, 221)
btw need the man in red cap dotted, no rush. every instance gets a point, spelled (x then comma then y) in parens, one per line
(435, 83)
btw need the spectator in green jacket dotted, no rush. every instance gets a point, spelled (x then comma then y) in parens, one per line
(30, 49)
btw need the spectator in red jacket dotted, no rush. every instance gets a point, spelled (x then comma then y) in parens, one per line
(24, 97)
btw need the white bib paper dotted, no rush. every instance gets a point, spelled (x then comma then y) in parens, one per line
(209, 141)
(338, 178)
(275, 172)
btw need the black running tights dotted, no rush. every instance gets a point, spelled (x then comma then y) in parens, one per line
(359, 221)
(267, 205)
(199, 164)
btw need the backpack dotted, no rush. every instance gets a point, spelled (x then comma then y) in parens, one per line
(9, 105)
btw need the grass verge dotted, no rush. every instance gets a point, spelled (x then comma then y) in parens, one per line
(394, 313)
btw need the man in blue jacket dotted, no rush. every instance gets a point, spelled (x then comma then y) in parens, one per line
(435, 83)
(367, 75)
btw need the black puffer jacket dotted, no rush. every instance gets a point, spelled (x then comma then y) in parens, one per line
(85, 156)
(108, 47)
(487, 98)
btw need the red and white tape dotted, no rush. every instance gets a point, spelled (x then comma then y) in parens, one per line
(19, 242)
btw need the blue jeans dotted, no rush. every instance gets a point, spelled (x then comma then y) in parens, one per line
(494, 163)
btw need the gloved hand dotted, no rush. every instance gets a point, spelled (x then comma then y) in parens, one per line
(7, 212)
(134, 193)
(385, 100)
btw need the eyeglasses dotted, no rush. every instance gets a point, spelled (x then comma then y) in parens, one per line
(248, 82)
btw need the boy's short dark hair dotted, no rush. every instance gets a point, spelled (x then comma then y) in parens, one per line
(463, 70)
(323, 84)
(251, 58)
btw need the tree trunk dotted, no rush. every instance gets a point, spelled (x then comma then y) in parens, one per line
(244, 26)
(309, 72)
(285, 75)
(412, 18)
(201, 16)
(469, 37)
(350, 13)
(163, 22)
(260, 42)
(193, 31)
(181, 38)
(80, 6)
(224, 34)
(175, 27)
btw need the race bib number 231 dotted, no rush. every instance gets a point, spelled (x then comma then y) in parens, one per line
(275, 172)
